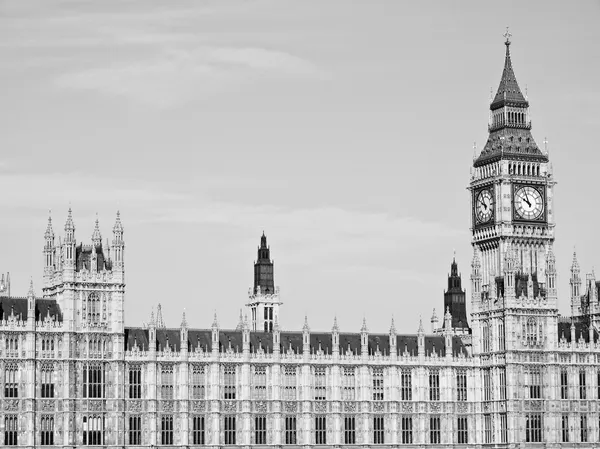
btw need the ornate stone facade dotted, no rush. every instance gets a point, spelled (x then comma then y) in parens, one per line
(72, 374)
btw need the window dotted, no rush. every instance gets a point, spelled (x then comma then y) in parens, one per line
(503, 428)
(378, 384)
(487, 385)
(47, 347)
(487, 428)
(583, 428)
(268, 319)
(93, 430)
(93, 381)
(198, 430)
(565, 428)
(11, 384)
(434, 430)
(349, 430)
(461, 386)
(135, 382)
(501, 338)
(320, 430)
(289, 383)
(534, 378)
(229, 384)
(564, 384)
(533, 428)
(349, 379)
(320, 384)
(290, 430)
(47, 375)
(407, 434)
(502, 384)
(434, 386)
(406, 385)
(166, 382)
(598, 386)
(582, 391)
(229, 429)
(12, 346)
(10, 430)
(485, 335)
(260, 429)
(93, 308)
(531, 333)
(378, 430)
(260, 382)
(135, 430)
(198, 382)
(47, 431)
(166, 430)
(463, 430)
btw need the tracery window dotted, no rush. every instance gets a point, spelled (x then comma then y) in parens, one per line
(93, 430)
(198, 430)
(461, 385)
(435, 430)
(260, 429)
(434, 385)
(198, 382)
(47, 374)
(320, 384)
(92, 308)
(349, 384)
(378, 384)
(47, 347)
(533, 428)
(406, 385)
(12, 346)
(502, 384)
(349, 430)
(94, 379)
(11, 428)
(501, 337)
(533, 332)
(135, 382)
(564, 384)
(320, 430)
(289, 383)
(565, 428)
(485, 332)
(534, 382)
(260, 382)
(290, 430)
(463, 430)
(378, 430)
(135, 430)
(503, 428)
(11, 381)
(487, 428)
(407, 429)
(229, 382)
(583, 428)
(229, 429)
(166, 430)
(47, 431)
(166, 382)
(487, 384)
(582, 390)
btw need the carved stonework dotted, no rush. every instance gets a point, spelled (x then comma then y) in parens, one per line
(134, 406)
(167, 406)
(229, 406)
(198, 406)
(435, 407)
(290, 407)
(378, 407)
(47, 406)
(260, 407)
(95, 406)
(11, 405)
(462, 407)
(407, 407)
(350, 407)
(320, 407)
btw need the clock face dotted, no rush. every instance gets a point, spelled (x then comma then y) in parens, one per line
(529, 204)
(484, 206)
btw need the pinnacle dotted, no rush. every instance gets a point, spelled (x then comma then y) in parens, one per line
(31, 292)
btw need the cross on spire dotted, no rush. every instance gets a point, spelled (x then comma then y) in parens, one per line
(507, 35)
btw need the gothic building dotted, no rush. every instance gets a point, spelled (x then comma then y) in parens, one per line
(514, 372)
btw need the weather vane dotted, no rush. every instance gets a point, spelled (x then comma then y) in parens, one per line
(507, 35)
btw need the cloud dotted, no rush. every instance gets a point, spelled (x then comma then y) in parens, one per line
(177, 76)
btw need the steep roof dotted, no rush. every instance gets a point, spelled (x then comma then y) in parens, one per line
(18, 306)
(508, 92)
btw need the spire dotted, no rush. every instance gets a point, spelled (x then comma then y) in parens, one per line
(263, 269)
(335, 328)
(118, 227)
(363, 328)
(575, 264)
(96, 236)
(49, 234)
(31, 292)
(421, 330)
(305, 328)
(393, 327)
(184, 321)
(159, 318)
(508, 91)
(240, 324)
(215, 324)
(69, 225)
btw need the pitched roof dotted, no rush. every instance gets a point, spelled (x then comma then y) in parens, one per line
(18, 306)
(509, 91)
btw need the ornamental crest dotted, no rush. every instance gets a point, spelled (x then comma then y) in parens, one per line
(95, 406)
(290, 407)
(350, 407)
(47, 406)
(435, 407)
(261, 407)
(407, 407)
(229, 407)
(167, 406)
(134, 406)
(378, 407)
(320, 407)
(198, 406)
(461, 407)
(11, 405)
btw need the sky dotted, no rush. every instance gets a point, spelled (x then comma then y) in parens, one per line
(343, 130)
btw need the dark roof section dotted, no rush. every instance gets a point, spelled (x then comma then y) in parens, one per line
(581, 330)
(18, 306)
(83, 258)
(319, 341)
(515, 143)
(509, 91)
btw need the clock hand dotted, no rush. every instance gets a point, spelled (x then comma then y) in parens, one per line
(527, 198)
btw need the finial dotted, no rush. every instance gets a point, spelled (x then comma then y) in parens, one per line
(31, 292)
(474, 150)
(434, 316)
(335, 325)
(159, 318)
(526, 96)
(305, 328)
(421, 330)
(363, 328)
(118, 225)
(546, 146)
(183, 320)
(393, 327)
(215, 323)
(507, 35)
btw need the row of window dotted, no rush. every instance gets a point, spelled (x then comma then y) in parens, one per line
(583, 431)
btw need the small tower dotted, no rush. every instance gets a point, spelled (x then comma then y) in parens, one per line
(69, 249)
(215, 335)
(393, 341)
(5, 286)
(455, 300)
(575, 283)
(435, 322)
(184, 335)
(263, 298)
(335, 338)
(49, 252)
(96, 236)
(551, 292)
(421, 339)
(364, 338)
(118, 245)
(306, 338)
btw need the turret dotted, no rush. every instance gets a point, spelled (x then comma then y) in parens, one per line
(183, 332)
(393, 341)
(118, 244)
(335, 338)
(69, 241)
(5, 286)
(551, 292)
(305, 338)
(575, 283)
(96, 236)
(215, 335)
(31, 306)
(421, 339)
(364, 339)
(476, 275)
(434, 322)
(49, 251)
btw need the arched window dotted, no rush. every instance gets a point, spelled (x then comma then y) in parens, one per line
(531, 334)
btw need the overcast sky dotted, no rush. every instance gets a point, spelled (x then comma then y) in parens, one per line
(343, 129)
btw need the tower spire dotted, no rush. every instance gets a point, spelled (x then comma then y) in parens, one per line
(96, 236)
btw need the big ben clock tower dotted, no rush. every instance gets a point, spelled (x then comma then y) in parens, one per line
(511, 190)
